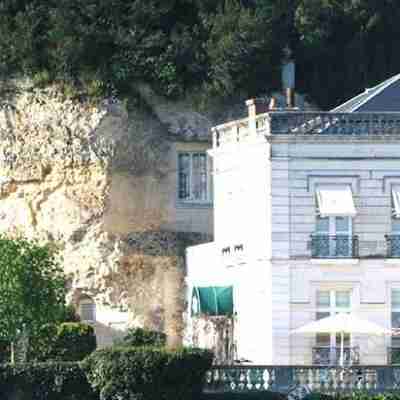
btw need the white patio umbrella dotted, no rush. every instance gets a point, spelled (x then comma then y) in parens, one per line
(343, 323)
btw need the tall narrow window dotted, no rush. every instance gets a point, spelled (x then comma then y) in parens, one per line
(393, 240)
(333, 234)
(395, 306)
(331, 302)
(87, 310)
(333, 237)
(193, 179)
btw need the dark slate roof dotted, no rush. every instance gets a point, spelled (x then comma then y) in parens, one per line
(380, 98)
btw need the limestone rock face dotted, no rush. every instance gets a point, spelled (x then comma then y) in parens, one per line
(84, 177)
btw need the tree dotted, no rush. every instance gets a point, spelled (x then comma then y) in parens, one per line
(32, 289)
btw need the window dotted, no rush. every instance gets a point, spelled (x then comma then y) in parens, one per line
(396, 201)
(193, 180)
(87, 310)
(331, 302)
(393, 240)
(333, 237)
(396, 317)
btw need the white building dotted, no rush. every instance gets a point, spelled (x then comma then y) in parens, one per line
(306, 224)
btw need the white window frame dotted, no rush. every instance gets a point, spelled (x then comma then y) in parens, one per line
(332, 231)
(191, 199)
(332, 310)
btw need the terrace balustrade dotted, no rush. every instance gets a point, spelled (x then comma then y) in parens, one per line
(324, 379)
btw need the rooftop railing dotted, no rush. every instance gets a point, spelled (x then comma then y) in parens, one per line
(307, 123)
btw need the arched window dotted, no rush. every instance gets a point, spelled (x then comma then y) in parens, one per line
(87, 309)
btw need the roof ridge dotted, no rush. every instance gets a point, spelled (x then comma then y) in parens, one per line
(374, 91)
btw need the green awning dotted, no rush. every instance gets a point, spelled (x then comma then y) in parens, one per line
(212, 300)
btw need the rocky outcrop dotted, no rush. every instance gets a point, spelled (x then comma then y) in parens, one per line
(78, 175)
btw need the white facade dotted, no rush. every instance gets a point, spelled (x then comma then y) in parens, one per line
(267, 171)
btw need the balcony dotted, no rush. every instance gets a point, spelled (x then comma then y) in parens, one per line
(323, 355)
(392, 246)
(334, 246)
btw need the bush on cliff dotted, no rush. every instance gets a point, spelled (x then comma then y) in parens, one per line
(144, 337)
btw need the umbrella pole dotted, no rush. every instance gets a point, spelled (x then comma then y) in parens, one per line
(342, 349)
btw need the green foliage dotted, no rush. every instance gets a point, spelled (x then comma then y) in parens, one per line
(224, 47)
(144, 337)
(46, 381)
(69, 341)
(32, 288)
(147, 373)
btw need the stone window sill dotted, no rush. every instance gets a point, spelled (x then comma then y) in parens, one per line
(335, 261)
(194, 204)
(392, 261)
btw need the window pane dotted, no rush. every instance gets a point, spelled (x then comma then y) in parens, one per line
(323, 299)
(196, 177)
(395, 320)
(323, 339)
(396, 298)
(322, 225)
(346, 340)
(184, 176)
(395, 225)
(343, 299)
(203, 176)
(88, 311)
(319, 315)
(342, 224)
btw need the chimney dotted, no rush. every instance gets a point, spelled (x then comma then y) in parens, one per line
(288, 78)
(255, 107)
(272, 103)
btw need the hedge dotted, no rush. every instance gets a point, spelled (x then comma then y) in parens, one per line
(144, 337)
(45, 381)
(147, 373)
(69, 341)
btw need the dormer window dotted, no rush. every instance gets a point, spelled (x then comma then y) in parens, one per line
(193, 177)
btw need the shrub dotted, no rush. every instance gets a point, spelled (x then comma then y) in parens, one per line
(69, 341)
(147, 373)
(144, 337)
(45, 381)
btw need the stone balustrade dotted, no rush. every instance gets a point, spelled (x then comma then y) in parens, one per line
(285, 379)
(306, 123)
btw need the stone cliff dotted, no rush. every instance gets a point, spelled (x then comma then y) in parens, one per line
(85, 177)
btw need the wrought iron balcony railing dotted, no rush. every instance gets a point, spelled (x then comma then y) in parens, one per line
(334, 246)
(392, 246)
(323, 355)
